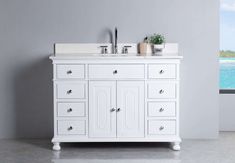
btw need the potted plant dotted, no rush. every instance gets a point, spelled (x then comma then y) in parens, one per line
(158, 43)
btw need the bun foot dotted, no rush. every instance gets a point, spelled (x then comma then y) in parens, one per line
(175, 146)
(56, 146)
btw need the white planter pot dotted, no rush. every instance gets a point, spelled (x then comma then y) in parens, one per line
(157, 49)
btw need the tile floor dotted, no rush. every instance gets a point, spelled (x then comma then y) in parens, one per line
(221, 150)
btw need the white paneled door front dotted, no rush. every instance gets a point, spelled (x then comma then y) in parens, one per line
(102, 109)
(116, 109)
(130, 109)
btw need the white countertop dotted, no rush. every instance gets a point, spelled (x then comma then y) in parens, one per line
(119, 56)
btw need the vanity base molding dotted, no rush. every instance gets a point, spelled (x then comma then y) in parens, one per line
(126, 99)
(174, 141)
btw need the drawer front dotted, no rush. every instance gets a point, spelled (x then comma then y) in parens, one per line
(70, 71)
(71, 109)
(161, 90)
(116, 71)
(71, 90)
(161, 127)
(161, 109)
(162, 71)
(76, 127)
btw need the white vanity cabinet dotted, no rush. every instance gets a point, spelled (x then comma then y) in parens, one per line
(116, 99)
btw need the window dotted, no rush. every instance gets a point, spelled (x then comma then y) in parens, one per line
(227, 46)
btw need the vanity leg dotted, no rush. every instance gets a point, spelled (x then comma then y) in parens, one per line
(56, 146)
(175, 146)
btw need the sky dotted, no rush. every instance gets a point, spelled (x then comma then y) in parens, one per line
(227, 25)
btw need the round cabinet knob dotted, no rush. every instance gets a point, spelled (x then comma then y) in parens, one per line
(69, 72)
(118, 109)
(161, 109)
(161, 71)
(70, 110)
(161, 91)
(70, 128)
(113, 109)
(161, 128)
(115, 72)
(69, 91)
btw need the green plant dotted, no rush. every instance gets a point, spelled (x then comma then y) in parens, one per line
(157, 39)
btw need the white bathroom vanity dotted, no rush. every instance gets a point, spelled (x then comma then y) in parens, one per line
(116, 98)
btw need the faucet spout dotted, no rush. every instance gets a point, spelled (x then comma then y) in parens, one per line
(115, 48)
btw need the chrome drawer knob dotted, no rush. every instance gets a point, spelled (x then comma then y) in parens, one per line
(70, 128)
(115, 72)
(161, 128)
(113, 109)
(69, 72)
(161, 109)
(69, 91)
(118, 109)
(161, 72)
(161, 91)
(69, 110)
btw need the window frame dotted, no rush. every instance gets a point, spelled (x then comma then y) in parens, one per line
(227, 91)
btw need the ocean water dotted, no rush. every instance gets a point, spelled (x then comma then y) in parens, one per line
(227, 73)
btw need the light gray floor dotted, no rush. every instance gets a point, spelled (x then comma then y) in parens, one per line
(193, 151)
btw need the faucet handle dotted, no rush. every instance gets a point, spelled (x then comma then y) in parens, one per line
(125, 49)
(104, 49)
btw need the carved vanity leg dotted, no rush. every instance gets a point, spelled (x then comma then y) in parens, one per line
(56, 146)
(175, 146)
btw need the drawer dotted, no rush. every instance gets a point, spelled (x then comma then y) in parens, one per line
(76, 127)
(135, 71)
(71, 109)
(70, 71)
(75, 90)
(162, 71)
(161, 90)
(161, 109)
(161, 127)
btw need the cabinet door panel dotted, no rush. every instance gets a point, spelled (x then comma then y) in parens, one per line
(130, 100)
(102, 98)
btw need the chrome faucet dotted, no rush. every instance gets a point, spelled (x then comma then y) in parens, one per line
(115, 48)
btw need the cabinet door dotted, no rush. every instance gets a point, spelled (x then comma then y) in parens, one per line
(130, 101)
(102, 119)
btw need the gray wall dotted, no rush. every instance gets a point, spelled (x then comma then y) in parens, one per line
(227, 112)
(30, 27)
